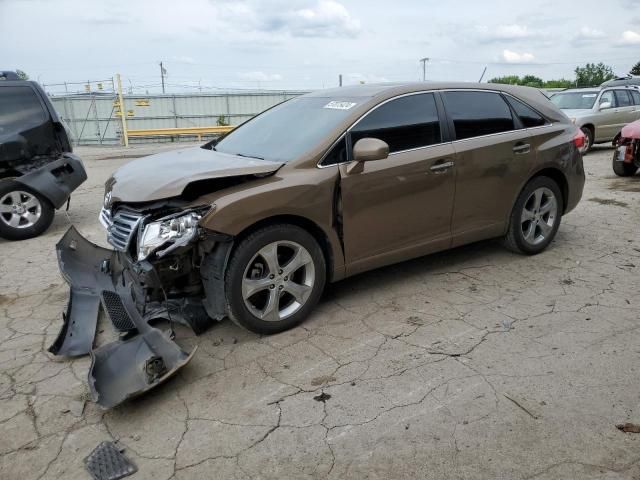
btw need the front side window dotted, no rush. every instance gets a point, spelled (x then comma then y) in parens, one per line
(623, 99)
(20, 109)
(478, 113)
(337, 154)
(608, 97)
(403, 123)
(528, 116)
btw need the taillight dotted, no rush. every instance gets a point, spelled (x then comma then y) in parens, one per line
(579, 139)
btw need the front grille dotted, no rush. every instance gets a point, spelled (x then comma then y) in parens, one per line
(121, 226)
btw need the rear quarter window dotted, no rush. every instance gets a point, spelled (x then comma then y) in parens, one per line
(478, 113)
(20, 109)
(527, 115)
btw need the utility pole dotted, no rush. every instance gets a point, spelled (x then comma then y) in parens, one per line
(340, 80)
(162, 74)
(424, 68)
(123, 113)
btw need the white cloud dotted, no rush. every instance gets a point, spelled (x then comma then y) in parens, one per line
(503, 33)
(356, 78)
(630, 38)
(327, 18)
(587, 35)
(183, 59)
(510, 56)
(260, 76)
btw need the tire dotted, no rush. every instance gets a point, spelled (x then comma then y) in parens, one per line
(525, 236)
(588, 141)
(623, 169)
(24, 213)
(254, 283)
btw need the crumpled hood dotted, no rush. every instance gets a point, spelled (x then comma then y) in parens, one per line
(167, 174)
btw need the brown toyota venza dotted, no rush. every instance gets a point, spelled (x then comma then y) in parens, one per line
(326, 185)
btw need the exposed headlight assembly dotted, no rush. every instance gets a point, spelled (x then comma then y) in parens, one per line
(165, 235)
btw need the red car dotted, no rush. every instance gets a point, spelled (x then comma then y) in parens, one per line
(626, 159)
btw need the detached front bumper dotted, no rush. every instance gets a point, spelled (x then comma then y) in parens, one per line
(56, 180)
(143, 358)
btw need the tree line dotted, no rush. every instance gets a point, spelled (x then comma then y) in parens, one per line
(590, 75)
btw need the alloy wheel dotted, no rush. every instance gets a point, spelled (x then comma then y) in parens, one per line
(278, 280)
(539, 216)
(20, 209)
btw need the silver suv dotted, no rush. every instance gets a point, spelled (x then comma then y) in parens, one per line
(600, 112)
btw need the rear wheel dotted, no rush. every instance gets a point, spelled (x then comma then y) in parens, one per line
(274, 279)
(535, 217)
(24, 213)
(588, 141)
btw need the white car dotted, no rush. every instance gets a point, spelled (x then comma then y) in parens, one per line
(600, 112)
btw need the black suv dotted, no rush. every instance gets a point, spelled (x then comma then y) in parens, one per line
(38, 172)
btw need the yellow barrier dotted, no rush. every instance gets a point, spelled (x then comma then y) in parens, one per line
(197, 131)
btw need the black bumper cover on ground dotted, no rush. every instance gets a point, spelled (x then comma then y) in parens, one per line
(124, 368)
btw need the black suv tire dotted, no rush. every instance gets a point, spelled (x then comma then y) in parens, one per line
(37, 204)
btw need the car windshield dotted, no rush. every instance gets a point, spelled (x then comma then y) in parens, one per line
(287, 130)
(574, 100)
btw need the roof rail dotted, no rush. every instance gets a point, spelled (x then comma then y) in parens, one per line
(8, 75)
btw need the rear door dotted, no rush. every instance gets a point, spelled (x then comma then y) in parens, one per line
(626, 107)
(399, 207)
(493, 155)
(635, 96)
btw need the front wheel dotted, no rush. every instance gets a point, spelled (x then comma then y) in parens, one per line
(24, 213)
(274, 279)
(535, 217)
(623, 169)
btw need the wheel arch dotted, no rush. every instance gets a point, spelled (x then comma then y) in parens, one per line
(592, 128)
(310, 226)
(557, 176)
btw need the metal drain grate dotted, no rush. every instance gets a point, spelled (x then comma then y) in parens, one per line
(116, 311)
(106, 462)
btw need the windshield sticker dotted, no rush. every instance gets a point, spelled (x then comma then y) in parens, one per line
(589, 95)
(340, 105)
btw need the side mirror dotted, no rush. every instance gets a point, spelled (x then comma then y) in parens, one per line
(604, 105)
(367, 150)
(370, 149)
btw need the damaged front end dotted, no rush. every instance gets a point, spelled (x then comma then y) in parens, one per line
(153, 273)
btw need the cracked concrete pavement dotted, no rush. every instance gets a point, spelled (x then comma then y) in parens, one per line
(471, 364)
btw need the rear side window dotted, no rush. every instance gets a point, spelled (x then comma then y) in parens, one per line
(478, 113)
(635, 96)
(623, 98)
(404, 123)
(20, 109)
(528, 116)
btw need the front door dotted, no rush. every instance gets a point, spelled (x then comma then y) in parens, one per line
(608, 122)
(399, 207)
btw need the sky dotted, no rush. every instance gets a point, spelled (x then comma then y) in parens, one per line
(212, 45)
